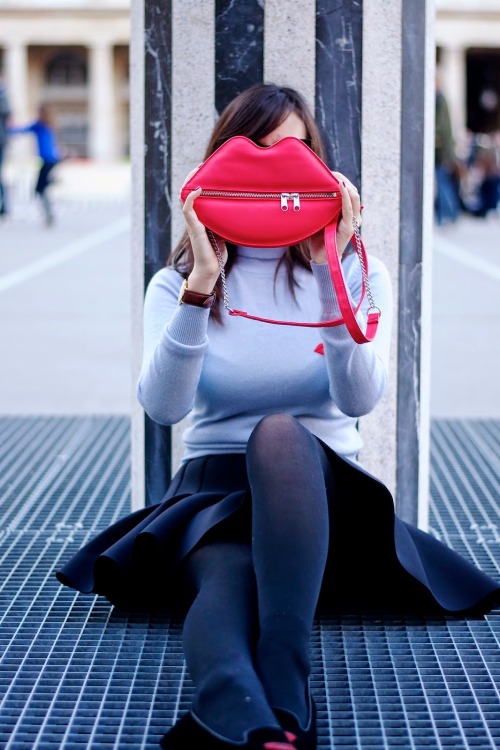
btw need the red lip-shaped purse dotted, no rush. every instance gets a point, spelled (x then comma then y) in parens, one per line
(275, 197)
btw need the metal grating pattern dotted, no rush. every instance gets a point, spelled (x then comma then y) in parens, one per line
(74, 673)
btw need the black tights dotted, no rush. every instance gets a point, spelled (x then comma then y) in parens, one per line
(246, 635)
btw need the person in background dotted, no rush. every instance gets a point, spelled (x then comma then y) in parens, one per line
(49, 153)
(447, 199)
(4, 118)
(488, 192)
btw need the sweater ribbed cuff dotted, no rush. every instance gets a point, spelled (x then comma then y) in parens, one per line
(330, 305)
(327, 294)
(188, 325)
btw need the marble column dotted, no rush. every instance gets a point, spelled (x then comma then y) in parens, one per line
(194, 39)
(15, 63)
(16, 74)
(194, 22)
(157, 133)
(102, 102)
(158, 205)
(289, 45)
(138, 272)
(352, 62)
(415, 262)
(239, 48)
(453, 74)
(380, 193)
(339, 84)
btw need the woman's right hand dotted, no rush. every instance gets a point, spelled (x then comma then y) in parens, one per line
(206, 267)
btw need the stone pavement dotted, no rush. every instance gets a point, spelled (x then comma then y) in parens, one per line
(76, 181)
(65, 296)
(75, 673)
(66, 307)
(79, 675)
(65, 301)
(466, 319)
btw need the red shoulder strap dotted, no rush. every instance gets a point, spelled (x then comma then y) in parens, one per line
(348, 313)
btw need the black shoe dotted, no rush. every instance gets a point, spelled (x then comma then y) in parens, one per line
(301, 738)
(190, 734)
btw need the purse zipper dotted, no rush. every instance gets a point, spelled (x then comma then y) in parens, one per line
(282, 197)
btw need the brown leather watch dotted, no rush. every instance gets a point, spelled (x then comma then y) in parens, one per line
(187, 297)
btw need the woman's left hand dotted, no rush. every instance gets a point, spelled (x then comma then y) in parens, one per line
(351, 208)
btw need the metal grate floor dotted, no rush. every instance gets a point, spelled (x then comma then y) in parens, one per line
(74, 673)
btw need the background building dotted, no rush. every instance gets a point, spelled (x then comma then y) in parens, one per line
(468, 56)
(72, 55)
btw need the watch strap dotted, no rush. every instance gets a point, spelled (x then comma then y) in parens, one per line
(188, 297)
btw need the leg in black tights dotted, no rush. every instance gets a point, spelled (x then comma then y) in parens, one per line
(265, 594)
(219, 635)
(286, 470)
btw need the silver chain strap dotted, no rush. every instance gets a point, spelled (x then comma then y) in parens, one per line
(364, 272)
(357, 238)
(213, 242)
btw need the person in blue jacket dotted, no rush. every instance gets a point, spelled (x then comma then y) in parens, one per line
(49, 153)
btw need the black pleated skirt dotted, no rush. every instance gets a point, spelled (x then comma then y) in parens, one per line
(376, 561)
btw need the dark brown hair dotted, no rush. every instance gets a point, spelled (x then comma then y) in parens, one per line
(255, 113)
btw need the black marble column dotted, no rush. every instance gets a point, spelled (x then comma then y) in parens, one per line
(157, 135)
(157, 220)
(338, 83)
(239, 63)
(239, 48)
(410, 265)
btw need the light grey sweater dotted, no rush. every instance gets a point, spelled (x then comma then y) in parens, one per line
(227, 377)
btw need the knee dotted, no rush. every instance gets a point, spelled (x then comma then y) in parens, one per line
(276, 435)
(275, 428)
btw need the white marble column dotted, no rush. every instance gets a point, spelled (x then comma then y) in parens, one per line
(453, 75)
(102, 102)
(380, 191)
(16, 83)
(16, 79)
(289, 45)
(194, 39)
(137, 152)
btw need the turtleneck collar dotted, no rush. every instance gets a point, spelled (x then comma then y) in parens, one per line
(261, 253)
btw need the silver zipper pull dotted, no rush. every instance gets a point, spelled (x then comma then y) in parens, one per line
(284, 201)
(296, 201)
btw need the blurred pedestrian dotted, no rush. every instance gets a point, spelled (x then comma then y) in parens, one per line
(4, 117)
(447, 198)
(488, 191)
(49, 153)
